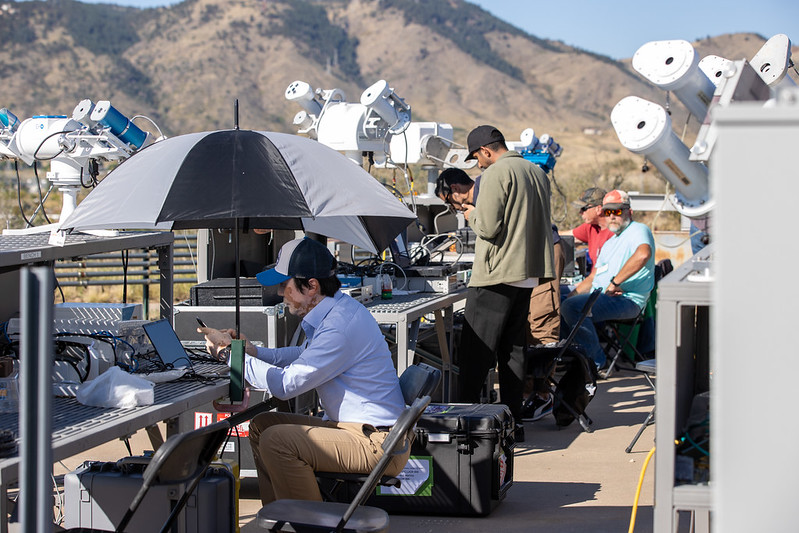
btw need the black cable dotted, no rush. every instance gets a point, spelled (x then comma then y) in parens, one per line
(39, 188)
(199, 356)
(238, 448)
(94, 171)
(151, 365)
(89, 186)
(60, 290)
(28, 223)
(63, 354)
(36, 152)
(562, 196)
(125, 258)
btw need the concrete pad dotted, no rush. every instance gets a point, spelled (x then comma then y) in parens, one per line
(566, 480)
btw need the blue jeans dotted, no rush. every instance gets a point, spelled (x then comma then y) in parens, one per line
(605, 308)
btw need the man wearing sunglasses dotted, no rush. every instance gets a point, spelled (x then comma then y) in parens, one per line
(594, 229)
(624, 270)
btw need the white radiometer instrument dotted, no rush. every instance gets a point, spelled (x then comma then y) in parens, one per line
(645, 128)
(379, 124)
(350, 127)
(94, 132)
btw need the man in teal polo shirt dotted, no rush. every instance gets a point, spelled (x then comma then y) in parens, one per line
(624, 270)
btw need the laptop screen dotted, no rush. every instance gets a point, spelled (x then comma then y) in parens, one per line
(166, 343)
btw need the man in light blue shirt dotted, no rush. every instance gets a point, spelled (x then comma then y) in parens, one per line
(624, 270)
(346, 359)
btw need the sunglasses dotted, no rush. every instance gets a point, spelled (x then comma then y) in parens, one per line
(616, 212)
(585, 208)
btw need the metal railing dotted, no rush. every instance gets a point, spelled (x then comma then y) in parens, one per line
(131, 267)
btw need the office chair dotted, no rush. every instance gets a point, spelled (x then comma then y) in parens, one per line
(416, 381)
(300, 515)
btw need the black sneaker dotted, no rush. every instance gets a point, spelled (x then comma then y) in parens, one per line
(537, 409)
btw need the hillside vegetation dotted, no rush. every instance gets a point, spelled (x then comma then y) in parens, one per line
(185, 65)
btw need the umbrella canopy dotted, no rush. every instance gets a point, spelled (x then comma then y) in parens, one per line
(242, 178)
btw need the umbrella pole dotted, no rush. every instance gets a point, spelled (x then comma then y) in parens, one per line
(237, 385)
(238, 275)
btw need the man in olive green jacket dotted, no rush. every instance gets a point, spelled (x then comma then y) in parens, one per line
(513, 253)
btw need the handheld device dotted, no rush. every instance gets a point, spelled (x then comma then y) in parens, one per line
(200, 322)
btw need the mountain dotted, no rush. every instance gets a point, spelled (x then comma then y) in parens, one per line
(183, 66)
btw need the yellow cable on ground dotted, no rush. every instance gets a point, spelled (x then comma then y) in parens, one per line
(638, 490)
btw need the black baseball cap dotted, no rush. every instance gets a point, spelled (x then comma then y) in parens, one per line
(300, 258)
(482, 136)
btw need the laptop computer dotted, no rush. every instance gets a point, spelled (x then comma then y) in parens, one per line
(166, 344)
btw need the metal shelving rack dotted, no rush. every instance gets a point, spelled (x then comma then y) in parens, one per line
(684, 300)
(20, 250)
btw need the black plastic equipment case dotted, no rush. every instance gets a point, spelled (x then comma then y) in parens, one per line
(222, 292)
(468, 449)
(97, 494)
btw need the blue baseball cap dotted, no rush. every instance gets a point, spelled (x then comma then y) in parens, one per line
(300, 258)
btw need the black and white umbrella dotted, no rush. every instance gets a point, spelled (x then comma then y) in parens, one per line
(255, 179)
(244, 179)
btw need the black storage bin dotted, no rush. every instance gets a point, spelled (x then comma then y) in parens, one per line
(222, 292)
(468, 450)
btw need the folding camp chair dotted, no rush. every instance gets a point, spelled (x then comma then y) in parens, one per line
(416, 381)
(621, 336)
(300, 515)
(419, 380)
(648, 368)
(621, 342)
(182, 459)
(577, 385)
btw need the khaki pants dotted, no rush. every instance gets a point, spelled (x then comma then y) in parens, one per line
(288, 449)
(544, 314)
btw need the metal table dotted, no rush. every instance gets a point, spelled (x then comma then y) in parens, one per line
(77, 427)
(683, 307)
(406, 312)
(19, 250)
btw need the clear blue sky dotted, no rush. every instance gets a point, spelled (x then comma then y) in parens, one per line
(617, 28)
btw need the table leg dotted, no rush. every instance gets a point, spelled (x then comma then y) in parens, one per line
(402, 346)
(446, 360)
(165, 267)
(156, 439)
(173, 426)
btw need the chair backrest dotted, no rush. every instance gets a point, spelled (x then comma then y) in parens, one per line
(183, 458)
(419, 380)
(397, 442)
(663, 268)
